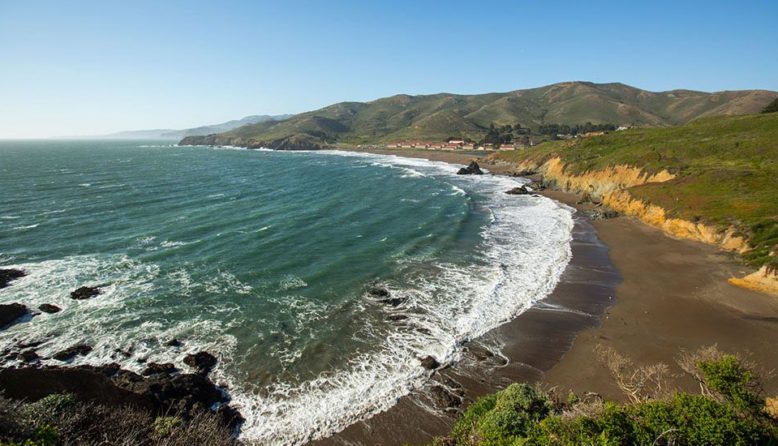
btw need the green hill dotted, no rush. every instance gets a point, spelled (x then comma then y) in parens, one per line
(439, 116)
(726, 171)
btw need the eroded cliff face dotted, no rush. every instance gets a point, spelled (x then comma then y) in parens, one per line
(609, 185)
(764, 280)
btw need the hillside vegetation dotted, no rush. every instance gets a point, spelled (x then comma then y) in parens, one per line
(440, 116)
(726, 171)
(729, 410)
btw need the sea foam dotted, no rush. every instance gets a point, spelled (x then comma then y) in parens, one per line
(525, 249)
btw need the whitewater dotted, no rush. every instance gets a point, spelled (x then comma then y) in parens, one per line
(265, 259)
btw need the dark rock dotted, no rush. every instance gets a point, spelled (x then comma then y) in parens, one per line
(230, 416)
(29, 344)
(394, 301)
(377, 291)
(397, 317)
(28, 356)
(10, 274)
(480, 353)
(429, 363)
(10, 313)
(521, 190)
(601, 214)
(202, 361)
(72, 352)
(183, 394)
(49, 308)
(85, 292)
(174, 343)
(154, 368)
(472, 169)
(445, 398)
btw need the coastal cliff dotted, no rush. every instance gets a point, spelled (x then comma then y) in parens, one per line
(624, 187)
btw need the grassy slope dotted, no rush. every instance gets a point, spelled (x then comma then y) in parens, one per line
(435, 117)
(727, 170)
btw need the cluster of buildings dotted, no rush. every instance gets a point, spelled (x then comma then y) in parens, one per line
(455, 144)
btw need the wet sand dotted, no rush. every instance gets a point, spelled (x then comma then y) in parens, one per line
(628, 286)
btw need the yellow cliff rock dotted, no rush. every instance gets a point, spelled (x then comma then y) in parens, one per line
(610, 186)
(764, 281)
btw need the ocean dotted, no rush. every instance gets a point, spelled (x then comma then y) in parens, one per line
(266, 260)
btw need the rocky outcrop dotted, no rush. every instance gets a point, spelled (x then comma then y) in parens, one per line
(11, 313)
(154, 368)
(294, 142)
(608, 187)
(162, 393)
(85, 292)
(601, 214)
(521, 190)
(204, 362)
(71, 352)
(174, 343)
(49, 308)
(472, 169)
(429, 363)
(8, 275)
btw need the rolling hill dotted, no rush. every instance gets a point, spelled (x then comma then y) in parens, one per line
(202, 130)
(439, 116)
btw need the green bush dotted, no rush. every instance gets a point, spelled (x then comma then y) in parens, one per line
(501, 420)
(733, 381)
(728, 413)
(164, 426)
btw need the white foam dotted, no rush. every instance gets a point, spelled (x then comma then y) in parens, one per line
(526, 248)
(172, 244)
(291, 282)
(26, 227)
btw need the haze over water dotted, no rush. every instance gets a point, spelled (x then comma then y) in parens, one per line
(264, 259)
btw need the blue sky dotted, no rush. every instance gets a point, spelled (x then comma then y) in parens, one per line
(89, 67)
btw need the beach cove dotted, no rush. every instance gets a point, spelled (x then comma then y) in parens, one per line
(649, 296)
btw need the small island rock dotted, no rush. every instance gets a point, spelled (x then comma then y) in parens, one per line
(85, 292)
(521, 190)
(472, 169)
(49, 308)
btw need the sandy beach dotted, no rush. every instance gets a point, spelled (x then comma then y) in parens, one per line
(629, 287)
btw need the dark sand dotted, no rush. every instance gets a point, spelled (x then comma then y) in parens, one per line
(628, 286)
(674, 297)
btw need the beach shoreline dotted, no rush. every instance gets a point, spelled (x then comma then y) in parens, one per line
(629, 287)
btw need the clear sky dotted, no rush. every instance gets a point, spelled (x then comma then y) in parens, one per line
(90, 67)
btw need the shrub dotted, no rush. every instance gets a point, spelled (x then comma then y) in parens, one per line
(734, 382)
(728, 411)
(164, 426)
(724, 377)
(506, 417)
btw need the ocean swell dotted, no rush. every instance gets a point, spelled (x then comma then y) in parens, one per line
(524, 245)
(524, 251)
